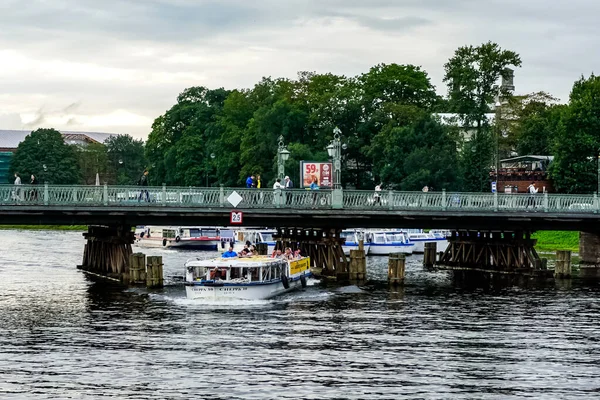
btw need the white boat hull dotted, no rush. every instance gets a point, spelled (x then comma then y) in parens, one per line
(241, 292)
(349, 247)
(387, 249)
(419, 247)
(208, 245)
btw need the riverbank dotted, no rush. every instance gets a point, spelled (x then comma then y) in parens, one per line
(45, 227)
(557, 240)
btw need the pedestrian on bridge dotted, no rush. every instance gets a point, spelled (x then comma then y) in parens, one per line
(377, 195)
(144, 183)
(33, 193)
(17, 191)
(532, 190)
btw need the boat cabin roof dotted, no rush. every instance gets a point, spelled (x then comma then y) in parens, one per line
(247, 262)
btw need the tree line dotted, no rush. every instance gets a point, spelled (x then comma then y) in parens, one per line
(391, 129)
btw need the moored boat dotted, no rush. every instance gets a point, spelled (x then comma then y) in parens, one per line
(353, 238)
(252, 278)
(387, 242)
(198, 238)
(419, 238)
(254, 236)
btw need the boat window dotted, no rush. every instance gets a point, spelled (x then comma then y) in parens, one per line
(267, 237)
(195, 233)
(378, 238)
(209, 232)
(169, 233)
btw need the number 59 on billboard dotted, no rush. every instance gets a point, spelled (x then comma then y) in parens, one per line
(309, 170)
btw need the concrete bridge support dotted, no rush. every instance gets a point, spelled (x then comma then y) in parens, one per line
(108, 251)
(589, 255)
(323, 246)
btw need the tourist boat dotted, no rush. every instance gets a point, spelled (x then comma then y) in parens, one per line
(419, 238)
(387, 242)
(252, 278)
(254, 236)
(198, 238)
(353, 237)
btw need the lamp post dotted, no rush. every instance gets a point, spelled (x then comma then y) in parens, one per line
(282, 156)
(335, 152)
(497, 163)
(212, 156)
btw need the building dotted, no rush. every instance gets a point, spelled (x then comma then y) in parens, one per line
(516, 174)
(10, 139)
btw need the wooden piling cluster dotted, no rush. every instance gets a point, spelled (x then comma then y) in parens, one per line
(108, 250)
(396, 268)
(562, 268)
(323, 246)
(358, 265)
(430, 254)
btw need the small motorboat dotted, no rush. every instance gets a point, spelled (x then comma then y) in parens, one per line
(197, 238)
(251, 278)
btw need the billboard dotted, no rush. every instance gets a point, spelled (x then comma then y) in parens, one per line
(323, 171)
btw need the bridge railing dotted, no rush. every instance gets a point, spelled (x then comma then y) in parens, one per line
(196, 197)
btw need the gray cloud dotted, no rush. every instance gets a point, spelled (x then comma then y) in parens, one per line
(80, 58)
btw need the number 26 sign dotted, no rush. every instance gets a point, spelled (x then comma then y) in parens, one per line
(236, 218)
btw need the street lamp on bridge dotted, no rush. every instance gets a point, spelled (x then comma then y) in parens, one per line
(283, 155)
(335, 152)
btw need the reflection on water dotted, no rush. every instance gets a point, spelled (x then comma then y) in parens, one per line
(66, 335)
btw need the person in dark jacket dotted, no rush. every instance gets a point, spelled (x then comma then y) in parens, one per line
(34, 192)
(144, 182)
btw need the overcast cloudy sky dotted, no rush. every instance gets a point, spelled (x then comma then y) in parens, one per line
(115, 65)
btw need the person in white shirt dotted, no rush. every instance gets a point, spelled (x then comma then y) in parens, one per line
(377, 195)
(532, 190)
(17, 191)
(277, 184)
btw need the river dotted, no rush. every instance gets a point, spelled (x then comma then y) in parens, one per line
(64, 335)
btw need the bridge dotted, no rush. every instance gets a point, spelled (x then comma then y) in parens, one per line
(339, 209)
(490, 229)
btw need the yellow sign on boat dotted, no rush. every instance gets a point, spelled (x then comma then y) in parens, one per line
(299, 266)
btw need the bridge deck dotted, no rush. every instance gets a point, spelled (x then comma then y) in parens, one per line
(51, 204)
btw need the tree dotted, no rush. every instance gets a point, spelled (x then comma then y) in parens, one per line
(92, 160)
(44, 154)
(126, 159)
(472, 76)
(577, 147)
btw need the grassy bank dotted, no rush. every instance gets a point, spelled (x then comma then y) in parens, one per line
(45, 227)
(557, 240)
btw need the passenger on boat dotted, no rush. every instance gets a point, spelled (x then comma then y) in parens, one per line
(215, 274)
(297, 254)
(288, 254)
(277, 254)
(230, 253)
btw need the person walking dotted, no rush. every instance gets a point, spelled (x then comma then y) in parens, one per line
(532, 190)
(277, 195)
(250, 182)
(289, 184)
(143, 182)
(17, 191)
(33, 193)
(377, 195)
(314, 187)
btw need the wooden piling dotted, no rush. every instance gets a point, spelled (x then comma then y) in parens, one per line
(563, 264)
(137, 269)
(396, 268)
(358, 265)
(154, 272)
(430, 253)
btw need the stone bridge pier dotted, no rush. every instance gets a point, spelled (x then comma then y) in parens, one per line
(589, 255)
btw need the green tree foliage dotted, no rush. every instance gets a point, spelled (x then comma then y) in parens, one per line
(472, 76)
(420, 154)
(577, 147)
(93, 159)
(126, 159)
(46, 147)
(193, 117)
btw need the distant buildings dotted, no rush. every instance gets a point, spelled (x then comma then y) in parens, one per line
(10, 139)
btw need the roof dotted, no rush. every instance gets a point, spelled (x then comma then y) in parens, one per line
(10, 139)
(528, 158)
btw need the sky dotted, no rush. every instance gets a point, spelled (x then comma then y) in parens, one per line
(116, 65)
